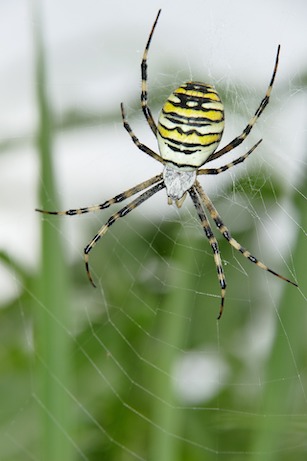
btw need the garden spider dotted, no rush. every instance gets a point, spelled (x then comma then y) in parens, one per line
(189, 129)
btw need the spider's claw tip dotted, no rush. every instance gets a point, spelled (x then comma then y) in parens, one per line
(222, 305)
(293, 283)
(220, 313)
(86, 250)
(90, 279)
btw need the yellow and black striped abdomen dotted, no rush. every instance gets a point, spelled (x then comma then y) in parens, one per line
(190, 125)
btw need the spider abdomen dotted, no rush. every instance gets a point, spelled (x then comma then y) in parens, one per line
(190, 125)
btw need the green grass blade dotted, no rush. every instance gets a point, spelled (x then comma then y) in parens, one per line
(286, 396)
(169, 419)
(52, 310)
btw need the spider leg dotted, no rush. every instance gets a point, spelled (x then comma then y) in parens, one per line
(226, 234)
(117, 199)
(214, 245)
(228, 165)
(136, 141)
(239, 139)
(144, 93)
(119, 214)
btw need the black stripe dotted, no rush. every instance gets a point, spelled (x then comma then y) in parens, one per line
(196, 121)
(185, 151)
(182, 165)
(199, 100)
(198, 86)
(189, 132)
(168, 141)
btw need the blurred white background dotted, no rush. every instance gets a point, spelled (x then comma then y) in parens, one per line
(94, 50)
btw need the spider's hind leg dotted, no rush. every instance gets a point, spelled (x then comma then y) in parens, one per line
(227, 235)
(119, 214)
(214, 245)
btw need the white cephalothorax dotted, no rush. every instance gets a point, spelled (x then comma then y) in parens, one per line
(177, 182)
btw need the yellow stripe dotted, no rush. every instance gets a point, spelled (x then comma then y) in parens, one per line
(214, 115)
(194, 138)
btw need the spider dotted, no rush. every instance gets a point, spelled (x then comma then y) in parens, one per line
(189, 130)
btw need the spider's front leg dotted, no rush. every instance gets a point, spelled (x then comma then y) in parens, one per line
(264, 102)
(136, 140)
(144, 93)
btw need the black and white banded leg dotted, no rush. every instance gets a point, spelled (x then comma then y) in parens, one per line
(223, 168)
(119, 214)
(136, 140)
(227, 235)
(213, 242)
(102, 206)
(239, 139)
(144, 93)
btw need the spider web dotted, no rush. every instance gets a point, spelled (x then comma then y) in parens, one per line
(154, 375)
